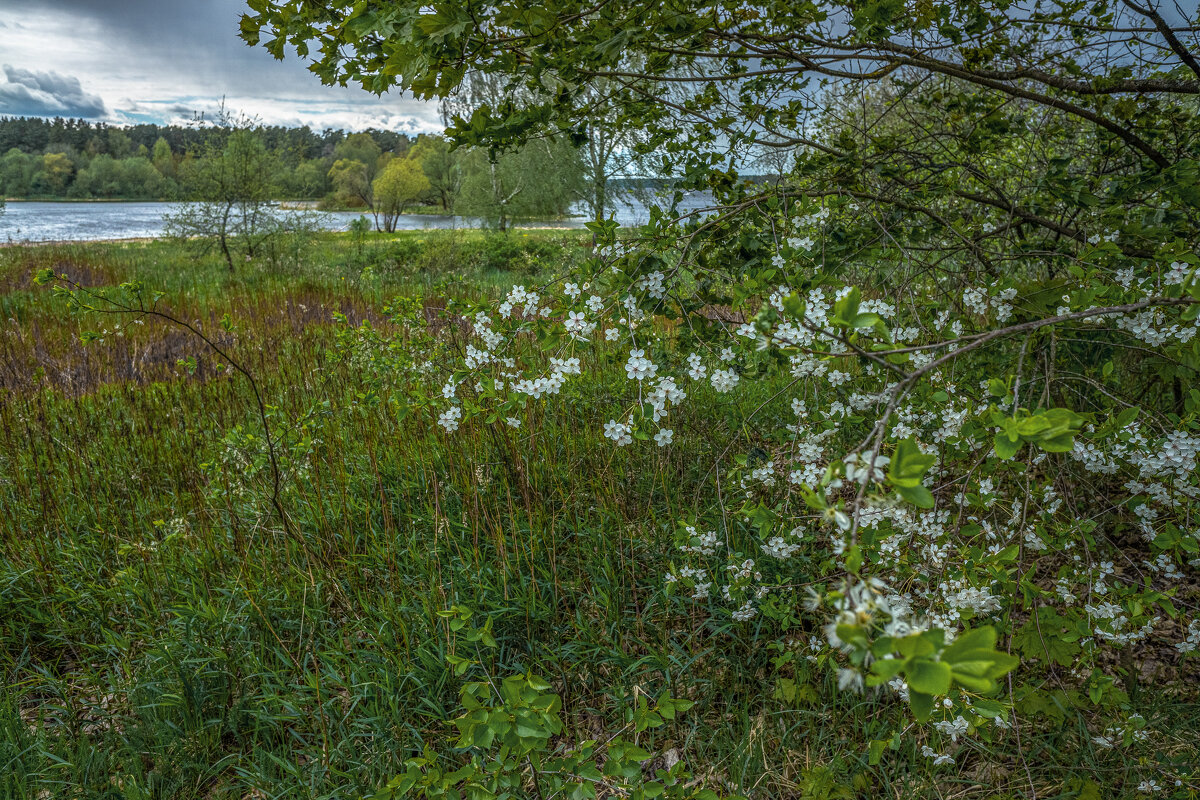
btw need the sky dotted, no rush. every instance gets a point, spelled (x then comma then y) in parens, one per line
(162, 61)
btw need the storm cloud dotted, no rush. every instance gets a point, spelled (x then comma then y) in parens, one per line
(46, 94)
(165, 62)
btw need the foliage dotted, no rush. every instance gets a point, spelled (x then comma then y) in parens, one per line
(128, 177)
(56, 172)
(538, 181)
(507, 728)
(359, 160)
(163, 158)
(113, 162)
(17, 171)
(400, 183)
(887, 464)
(168, 637)
(976, 259)
(440, 166)
(352, 183)
(360, 148)
(230, 187)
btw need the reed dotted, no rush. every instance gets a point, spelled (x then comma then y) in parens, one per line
(163, 635)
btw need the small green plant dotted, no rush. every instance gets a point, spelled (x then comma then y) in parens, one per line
(360, 226)
(511, 742)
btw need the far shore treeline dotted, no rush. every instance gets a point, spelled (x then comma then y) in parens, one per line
(74, 158)
(382, 172)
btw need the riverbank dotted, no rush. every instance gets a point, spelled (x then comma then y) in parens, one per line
(73, 221)
(72, 200)
(69, 242)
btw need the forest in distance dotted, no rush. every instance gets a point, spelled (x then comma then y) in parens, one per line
(158, 152)
(380, 172)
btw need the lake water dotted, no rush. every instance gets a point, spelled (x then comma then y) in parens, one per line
(33, 221)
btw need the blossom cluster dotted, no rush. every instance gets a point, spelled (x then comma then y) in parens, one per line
(836, 415)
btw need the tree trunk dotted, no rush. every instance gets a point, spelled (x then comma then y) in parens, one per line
(600, 196)
(224, 237)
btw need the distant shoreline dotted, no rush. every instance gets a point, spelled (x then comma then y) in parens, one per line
(86, 200)
(60, 242)
(284, 205)
(281, 203)
(136, 239)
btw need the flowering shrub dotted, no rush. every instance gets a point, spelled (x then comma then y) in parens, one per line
(885, 412)
(936, 479)
(934, 516)
(966, 306)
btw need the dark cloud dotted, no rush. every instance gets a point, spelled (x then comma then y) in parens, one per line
(196, 41)
(29, 93)
(164, 61)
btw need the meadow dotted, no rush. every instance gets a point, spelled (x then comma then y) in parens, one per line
(159, 640)
(164, 635)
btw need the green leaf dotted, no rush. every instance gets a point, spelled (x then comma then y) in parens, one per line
(867, 320)
(1002, 664)
(635, 753)
(919, 496)
(854, 559)
(1064, 443)
(1127, 417)
(1005, 448)
(982, 638)
(918, 644)
(887, 668)
(921, 704)
(852, 634)
(877, 747)
(928, 677)
(988, 708)
(785, 690)
(908, 464)
(846, 309)
(1043, 639)
(483, 736)
(970, 675)
(794, 306)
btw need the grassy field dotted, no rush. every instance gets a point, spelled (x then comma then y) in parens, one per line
(162, 635)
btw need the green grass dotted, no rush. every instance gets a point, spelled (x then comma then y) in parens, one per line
(163, 636)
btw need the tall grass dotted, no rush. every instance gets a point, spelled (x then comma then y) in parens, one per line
(163, 635)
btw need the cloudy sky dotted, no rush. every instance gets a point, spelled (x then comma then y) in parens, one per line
(162, 60)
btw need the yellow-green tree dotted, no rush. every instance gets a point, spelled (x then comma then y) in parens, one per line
(57, 168)
(401, 183)
(164, 159)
